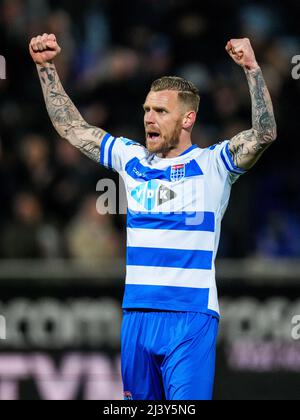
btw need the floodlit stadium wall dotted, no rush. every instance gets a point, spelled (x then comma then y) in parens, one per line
(60, 327)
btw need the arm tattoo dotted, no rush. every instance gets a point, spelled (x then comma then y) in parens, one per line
(66, 118)
(248, 146)
(263, 121)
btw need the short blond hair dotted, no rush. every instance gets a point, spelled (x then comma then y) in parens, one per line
(188, 93)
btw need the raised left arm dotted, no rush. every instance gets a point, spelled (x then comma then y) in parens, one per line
(247, 146)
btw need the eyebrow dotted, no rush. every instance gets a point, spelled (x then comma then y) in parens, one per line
(156, 108)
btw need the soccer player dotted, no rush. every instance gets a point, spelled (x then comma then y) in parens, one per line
(177, 195)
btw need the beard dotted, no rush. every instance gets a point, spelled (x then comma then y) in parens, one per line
(166, 143)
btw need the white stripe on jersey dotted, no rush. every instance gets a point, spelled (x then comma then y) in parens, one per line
(213, 300)
(169, 276)
(170, 239)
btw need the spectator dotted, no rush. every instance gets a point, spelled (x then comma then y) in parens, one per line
(27, 236)
(280, 236)
(91, 236)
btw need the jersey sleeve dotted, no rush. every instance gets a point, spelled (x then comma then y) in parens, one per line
(222, 159)
(116, 152)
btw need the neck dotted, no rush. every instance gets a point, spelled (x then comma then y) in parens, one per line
(178, 150)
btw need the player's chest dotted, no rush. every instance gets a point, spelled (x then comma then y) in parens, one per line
(176, 187)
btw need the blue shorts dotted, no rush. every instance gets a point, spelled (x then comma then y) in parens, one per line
(168, 355)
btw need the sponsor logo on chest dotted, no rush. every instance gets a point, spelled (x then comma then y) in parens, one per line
(152, 194)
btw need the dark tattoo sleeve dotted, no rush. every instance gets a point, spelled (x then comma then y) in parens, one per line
(247, 147)
(65, 117)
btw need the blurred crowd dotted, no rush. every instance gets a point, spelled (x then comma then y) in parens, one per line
(111, 52)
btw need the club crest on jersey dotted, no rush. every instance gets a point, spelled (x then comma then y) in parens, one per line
(177, 172)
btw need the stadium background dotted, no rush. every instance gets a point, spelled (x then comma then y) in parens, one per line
(62, 263)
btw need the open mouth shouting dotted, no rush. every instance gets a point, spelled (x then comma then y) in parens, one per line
(153, 135)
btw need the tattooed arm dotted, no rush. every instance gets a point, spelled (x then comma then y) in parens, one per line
(66, 118)
(247, 147)
(64, 115)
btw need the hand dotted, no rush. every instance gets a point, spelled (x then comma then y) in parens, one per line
(240, 50)
(43, 49)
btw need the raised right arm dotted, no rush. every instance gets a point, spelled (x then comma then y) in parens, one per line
(65, 117)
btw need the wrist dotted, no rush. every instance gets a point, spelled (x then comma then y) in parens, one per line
(47, 64)
(252, 67)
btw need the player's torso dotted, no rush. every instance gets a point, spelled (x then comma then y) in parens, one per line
(172, 232)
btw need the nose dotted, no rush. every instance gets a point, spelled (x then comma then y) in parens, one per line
(149, 118)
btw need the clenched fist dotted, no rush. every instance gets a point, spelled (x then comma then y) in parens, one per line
(240, 50)
(43, 49)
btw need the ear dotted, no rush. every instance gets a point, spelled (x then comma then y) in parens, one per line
(189, 120)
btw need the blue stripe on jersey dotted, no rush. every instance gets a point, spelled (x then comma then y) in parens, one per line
(140, 172)
(167, 298)
(102, 148)
(109, 162)
(240, 170)
(163, 257)
(187, 221)
(228, 162)
(189, 150)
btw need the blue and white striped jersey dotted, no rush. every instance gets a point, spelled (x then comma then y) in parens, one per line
(175, 208)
